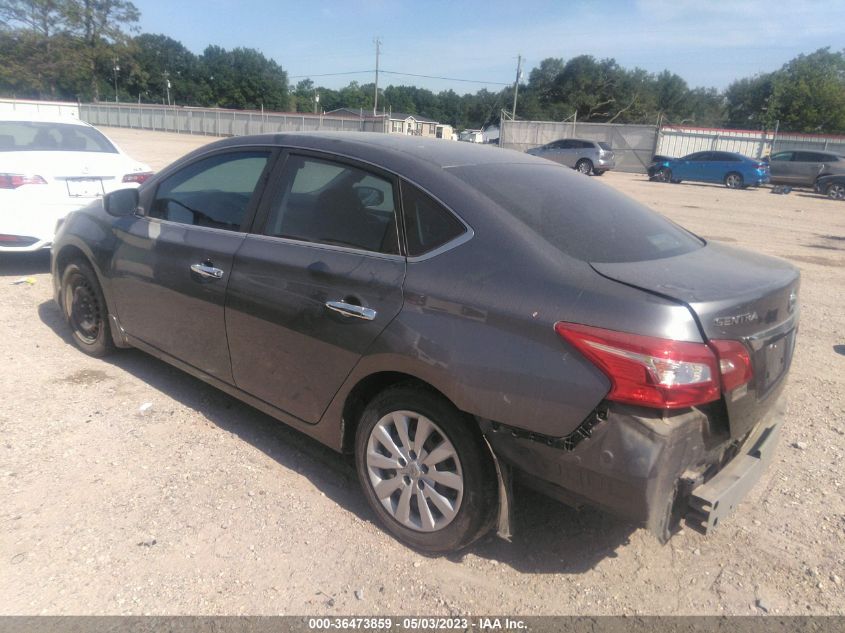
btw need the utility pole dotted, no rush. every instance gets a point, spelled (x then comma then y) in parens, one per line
(166, 76)
(377, 42)
(516, 85)
(116, 68)
(316, 100)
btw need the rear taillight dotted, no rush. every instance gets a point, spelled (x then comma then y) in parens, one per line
(139, 177)
(734, 363)
(647, 371)
(661, 373)
(13, 181)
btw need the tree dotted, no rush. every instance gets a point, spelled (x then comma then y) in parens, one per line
(99, 25)
(156, 59)
(808, 93)
(243, 78)
(747, 102)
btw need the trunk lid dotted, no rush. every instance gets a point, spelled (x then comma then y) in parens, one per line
(736, 295)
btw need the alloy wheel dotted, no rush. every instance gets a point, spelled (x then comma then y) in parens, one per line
(733, 181)
(836, 191)
(415, 471)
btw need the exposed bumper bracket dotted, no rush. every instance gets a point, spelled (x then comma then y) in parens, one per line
(710, 502)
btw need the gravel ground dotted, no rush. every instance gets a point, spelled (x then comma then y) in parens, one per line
(199, 504)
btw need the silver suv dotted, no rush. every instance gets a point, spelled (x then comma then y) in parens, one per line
(588, 157)
(796, 167)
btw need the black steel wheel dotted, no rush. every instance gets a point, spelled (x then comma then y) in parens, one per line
(84, 307)
(426, 473)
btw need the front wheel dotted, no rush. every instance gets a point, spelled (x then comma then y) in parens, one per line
(425, 472)
(836, 191)
(663, 175)
(734, 181)
(585, 166)
(84, 307)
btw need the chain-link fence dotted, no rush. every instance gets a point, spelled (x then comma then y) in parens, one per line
(218, 122)
(633, 145)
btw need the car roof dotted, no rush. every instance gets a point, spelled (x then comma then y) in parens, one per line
(378, 147)
(40, 117)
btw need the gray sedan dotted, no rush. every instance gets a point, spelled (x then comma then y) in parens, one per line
(456, 317)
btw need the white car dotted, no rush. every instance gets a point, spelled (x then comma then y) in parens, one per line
(50, 166)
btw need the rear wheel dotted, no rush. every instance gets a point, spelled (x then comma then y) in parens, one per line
(836, 191)
(426, 474)
(585, 166)
(734, 181)
(84, 307)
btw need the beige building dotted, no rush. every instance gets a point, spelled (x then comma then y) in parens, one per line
(396, 122)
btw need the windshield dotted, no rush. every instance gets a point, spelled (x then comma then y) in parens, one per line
(38, 136)
(586, 221)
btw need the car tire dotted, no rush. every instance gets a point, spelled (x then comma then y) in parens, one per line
(836, 191)
(734, 180)
(664, 174)
(84, 307)
(584, 166)
(431, 513)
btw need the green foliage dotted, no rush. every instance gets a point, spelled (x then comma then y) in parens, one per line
(808, 93)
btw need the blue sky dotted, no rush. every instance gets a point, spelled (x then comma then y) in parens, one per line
(707, 42)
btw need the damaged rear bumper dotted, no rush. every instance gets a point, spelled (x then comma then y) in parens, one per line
(649, 469)
(717, 498)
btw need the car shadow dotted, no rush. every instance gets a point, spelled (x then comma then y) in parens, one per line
(839, 349)
(548, 536)
(36, 263)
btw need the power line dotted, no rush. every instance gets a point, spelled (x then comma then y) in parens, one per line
(393, 72)
(469, 81)
(354, 72)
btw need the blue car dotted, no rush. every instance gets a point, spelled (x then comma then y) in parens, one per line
(734, 170)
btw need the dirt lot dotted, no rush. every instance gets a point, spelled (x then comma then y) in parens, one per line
(202, 505)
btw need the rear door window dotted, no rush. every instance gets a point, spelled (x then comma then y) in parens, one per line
(809, 157)
(726, 157)
(586, 221)
(336, 204)
(781, 156)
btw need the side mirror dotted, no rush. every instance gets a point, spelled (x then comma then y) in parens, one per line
(121, 202)
(370, 196)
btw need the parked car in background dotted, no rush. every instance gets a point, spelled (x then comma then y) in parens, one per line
(804, 168)
(733, 170)
(588, 157)
(50, 166)
(832, 186)
(355, 287)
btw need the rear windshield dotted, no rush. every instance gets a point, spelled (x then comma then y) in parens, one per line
(38, 136)
(604, 146)
(585, 220)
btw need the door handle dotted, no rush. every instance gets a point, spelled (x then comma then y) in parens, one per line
(351, 310)
(207, 271)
